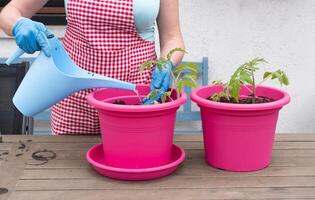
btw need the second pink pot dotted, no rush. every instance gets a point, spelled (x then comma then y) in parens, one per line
(239, 137)
(135, 136)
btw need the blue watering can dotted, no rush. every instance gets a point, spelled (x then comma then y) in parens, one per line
(51, 79)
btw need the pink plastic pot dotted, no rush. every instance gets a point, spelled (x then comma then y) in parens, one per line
(135, 136)
(239, 137)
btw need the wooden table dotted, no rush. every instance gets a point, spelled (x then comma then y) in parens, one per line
(68, 176)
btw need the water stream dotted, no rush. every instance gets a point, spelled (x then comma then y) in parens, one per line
(139, 97)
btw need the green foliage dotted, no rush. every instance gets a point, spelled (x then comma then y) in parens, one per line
(279, 75)
(245, 75)
(217, 96)
(182, 75)
(170, 54)
(217, 82)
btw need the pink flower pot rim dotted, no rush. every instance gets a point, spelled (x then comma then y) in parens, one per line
(134, 108)
(242, 107)
(174, 163)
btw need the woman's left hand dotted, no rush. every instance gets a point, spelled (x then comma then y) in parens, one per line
(161, 80)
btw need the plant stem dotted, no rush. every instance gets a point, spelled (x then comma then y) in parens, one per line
(226, 91)
(254, 88)
(251, 91)
(169, 96)
(263, 80)
(175, 79)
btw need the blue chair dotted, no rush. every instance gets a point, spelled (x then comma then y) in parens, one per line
(187, 114)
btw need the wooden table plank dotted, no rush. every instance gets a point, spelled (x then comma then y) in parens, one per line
(187, 145)
(172, 194)
(185, 170)
(169, 182)
(12, 168)
(5, 146)
(295, 137)
(294, 145)
(3, 156)
(62, 160)
(52, 138)
(79, 154)
(178, 138)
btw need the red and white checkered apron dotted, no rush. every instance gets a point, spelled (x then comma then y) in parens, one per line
(101, 37)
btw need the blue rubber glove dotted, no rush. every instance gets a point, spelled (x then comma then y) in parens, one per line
(30, 36)
(161, 81)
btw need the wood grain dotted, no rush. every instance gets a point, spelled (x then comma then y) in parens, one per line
(172, 194)
(291, 174)
(172, 181)
(190, 138)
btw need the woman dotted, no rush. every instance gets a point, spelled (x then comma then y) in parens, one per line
(108, 37)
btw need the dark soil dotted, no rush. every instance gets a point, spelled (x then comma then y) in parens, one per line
(248, 100)
(119, 102)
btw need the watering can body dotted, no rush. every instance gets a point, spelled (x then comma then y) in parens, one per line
(51, 79)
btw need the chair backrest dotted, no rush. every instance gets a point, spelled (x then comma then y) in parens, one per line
(11, 120)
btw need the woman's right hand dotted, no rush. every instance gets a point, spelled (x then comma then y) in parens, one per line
(30, 36)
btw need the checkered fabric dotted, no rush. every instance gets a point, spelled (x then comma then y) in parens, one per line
(101, 37)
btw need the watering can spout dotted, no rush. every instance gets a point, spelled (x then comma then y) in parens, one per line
(92, 80)
(18, 52)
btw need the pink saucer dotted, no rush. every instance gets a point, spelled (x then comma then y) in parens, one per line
(95, 158)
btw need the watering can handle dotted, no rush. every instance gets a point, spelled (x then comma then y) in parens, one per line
(19, 52)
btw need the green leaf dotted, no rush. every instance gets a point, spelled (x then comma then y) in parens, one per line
(215, 97)
(190, 80)
(267, 75)
(142, 67)
(222, 94)
(184, 67)
(282, 77)
(217, 82)
(193, 66)
(255, 62)
(164, 98)
(146, 64)
(159, 66)
(285, 79)
(235, 89)
(179, 85)
(189, 83)
(190, 77)
(170, 54)
(277, 75)
(245, 77)
(169, 93)
(153, 94)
